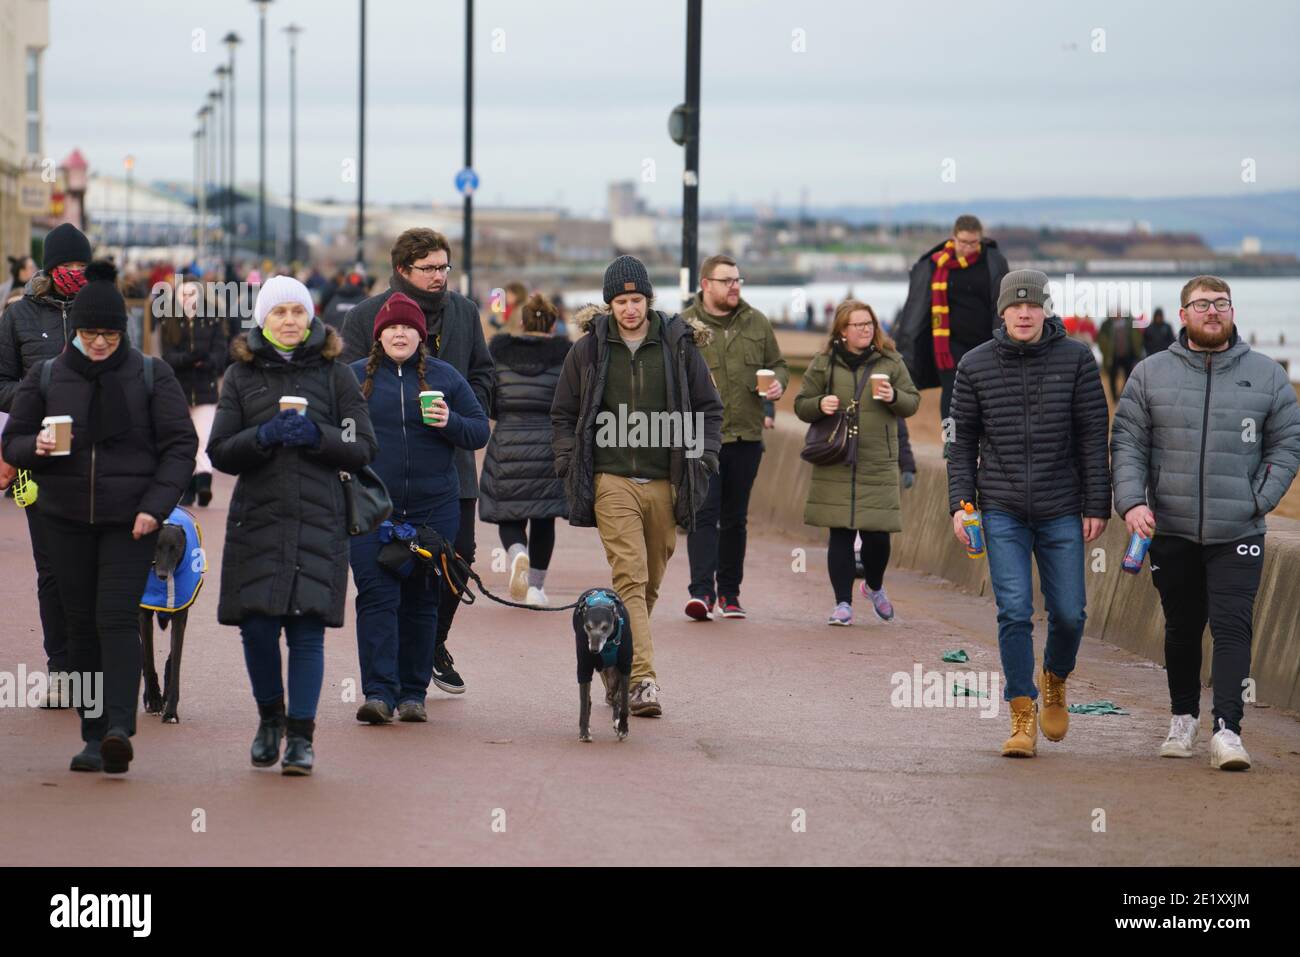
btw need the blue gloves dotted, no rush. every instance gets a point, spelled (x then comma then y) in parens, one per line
(909, 478)
(289, 429)
(271, 432)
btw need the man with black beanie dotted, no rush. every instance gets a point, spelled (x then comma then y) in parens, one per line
(33, 329)
(421, 266)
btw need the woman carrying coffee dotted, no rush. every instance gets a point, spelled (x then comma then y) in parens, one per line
(111, 453)
(859, 360)
(422, 410)
(289, 419)
(519, 491)
(195, 346)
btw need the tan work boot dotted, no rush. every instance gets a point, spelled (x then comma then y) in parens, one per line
(1024, 729)
(1053, 715)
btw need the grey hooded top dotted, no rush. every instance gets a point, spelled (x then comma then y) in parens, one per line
(1210, 441)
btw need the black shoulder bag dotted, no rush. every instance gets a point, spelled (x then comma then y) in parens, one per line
(364, 495)
(833, 440)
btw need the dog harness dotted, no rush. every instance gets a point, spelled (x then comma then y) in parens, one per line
(609, 652)
(181, 588)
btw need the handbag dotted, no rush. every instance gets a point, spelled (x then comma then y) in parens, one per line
(833, 440)
(365, 497)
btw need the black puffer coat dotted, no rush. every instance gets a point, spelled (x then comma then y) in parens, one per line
(35, 327)
(145, 469)
(286, 536)
(1030, 428)
(196, 349)
(519, 480)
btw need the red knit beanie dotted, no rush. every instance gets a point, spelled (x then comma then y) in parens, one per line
(401, 310)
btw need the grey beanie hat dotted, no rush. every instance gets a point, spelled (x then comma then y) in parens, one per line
(627, 274)
(1023, 285)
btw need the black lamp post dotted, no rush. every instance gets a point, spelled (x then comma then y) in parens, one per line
(293, 30)
(231, 40)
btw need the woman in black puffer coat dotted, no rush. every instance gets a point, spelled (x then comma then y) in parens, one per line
(102, 504)
(519, 490)
(195, 346)
(285, 563)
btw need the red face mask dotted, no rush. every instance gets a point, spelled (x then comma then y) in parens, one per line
(67, 281)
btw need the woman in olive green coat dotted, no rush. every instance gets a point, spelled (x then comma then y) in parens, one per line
(861, 498)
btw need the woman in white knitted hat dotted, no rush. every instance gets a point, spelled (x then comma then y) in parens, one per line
(285, 564)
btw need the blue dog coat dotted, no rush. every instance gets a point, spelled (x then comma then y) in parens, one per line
(181, 588)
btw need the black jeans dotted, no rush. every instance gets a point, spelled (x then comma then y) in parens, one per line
(1215, 583)
(537, 533)
(842, 568)
(47, 593)
(947, 379)
(717, 546)
(447, 602)
(103, 570)
(1126, 363)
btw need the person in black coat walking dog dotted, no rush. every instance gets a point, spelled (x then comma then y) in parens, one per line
(132, 453)
(285, 564)
(520, 491)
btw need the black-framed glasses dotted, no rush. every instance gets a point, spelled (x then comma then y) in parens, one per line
(860, 326)
(1203, 305)
(440, 270)
(737, 281)
(90, 335)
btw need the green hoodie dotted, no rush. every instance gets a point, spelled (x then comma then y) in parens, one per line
(743, 342)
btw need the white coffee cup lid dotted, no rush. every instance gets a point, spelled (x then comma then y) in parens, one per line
(293, 398)
(766, 372)
(56, 419)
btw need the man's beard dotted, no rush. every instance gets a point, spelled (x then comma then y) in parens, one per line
(1210, 340)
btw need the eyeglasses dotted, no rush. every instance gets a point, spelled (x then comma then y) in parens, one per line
(1203, 305)
(729, 283)
(90, 335)
(440, 270)
(860, 326)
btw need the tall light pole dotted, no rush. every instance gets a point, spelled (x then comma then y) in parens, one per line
(203, 173)
(129, 164)
(293, 30)
(261, 127)
(361, 148)
(691, 174)
(231, 40)
(467, 228)
(215, 98)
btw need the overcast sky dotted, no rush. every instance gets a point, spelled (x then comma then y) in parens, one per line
(882, 94)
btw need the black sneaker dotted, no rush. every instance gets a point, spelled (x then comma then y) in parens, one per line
(116, 751)
(444, 675)
(88, 759)
(375, 711)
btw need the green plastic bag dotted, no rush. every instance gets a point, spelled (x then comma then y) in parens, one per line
(1096, 707)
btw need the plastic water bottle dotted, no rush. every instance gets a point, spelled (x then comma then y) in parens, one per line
(970, 520)
(1137, 552)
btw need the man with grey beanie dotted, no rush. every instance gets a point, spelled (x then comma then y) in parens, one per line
(1029, 450)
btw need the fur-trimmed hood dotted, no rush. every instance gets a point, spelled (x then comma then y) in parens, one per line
(242, 350)
(528, 355)
(588, 314)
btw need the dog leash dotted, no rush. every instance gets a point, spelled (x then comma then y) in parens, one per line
(458, 574)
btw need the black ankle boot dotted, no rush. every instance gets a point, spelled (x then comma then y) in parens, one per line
(298, 756)
(266, 743)
(203, 488)
(188, 497)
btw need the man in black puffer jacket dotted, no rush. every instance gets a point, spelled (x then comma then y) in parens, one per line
(1030, 443)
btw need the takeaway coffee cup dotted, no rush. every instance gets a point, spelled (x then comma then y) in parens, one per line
(765, 379)
(295, 402)
(59, 428)
(877, 378)
(427, 399)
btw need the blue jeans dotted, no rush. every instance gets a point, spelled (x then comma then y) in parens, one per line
(397, 621)
(305, 636)
(1057, 545)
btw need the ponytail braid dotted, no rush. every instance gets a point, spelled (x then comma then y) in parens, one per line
(372, 366)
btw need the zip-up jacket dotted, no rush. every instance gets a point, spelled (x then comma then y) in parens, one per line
(33, 328)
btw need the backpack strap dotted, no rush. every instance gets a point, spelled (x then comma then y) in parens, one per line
(47, 371)
(148, 375)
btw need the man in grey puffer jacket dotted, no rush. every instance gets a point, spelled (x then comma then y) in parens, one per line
(1206, 441)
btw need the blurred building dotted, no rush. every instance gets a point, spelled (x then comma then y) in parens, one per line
(24, 193)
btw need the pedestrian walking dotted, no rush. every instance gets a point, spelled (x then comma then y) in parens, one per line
(520, 492)
(622, 473)
(344, 298)
(1206, 442)
(1158, 336)
(1029, 449)
(859, 497)
(194, 344)
(1120, 341)
(742, 344)
(21, 271)
(421, 260)
(397, 619)
(285, 563)
(103, 500)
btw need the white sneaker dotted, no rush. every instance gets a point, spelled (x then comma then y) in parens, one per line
(58, 695)
(1226, 752)
(1183, 729)
(537, 596)
(519, 576)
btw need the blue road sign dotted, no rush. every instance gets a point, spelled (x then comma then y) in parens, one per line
(467, 181)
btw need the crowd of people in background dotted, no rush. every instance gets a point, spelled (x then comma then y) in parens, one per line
(332, 381)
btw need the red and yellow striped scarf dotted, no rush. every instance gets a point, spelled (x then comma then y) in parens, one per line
(944, 260)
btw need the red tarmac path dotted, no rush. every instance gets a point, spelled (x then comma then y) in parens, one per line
(762, 717)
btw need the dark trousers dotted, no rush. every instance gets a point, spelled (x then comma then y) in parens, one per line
(1214, 583)
(104, 571)
(717, 546)
(305, 636)
(1125, 363)
(448, 603)
(536, 533)
(47, 593)
(874, 555)
(397, 621)
(947, 379)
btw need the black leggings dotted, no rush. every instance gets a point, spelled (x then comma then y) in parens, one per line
(541, 541)
(839, 560)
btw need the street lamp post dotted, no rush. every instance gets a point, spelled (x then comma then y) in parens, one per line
(293, 30)
(203, 175)
(261, 127)
(361, 148)
(231, 40)
(467, 229)
(691, 174)
(215, 100)
(129, 164)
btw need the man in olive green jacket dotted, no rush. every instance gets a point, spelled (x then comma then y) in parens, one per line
(743, 343)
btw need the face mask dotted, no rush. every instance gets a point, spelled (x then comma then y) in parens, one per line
(67, 281)
(79, 345)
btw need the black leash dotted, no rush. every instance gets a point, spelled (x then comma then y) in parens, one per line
(458, 574)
